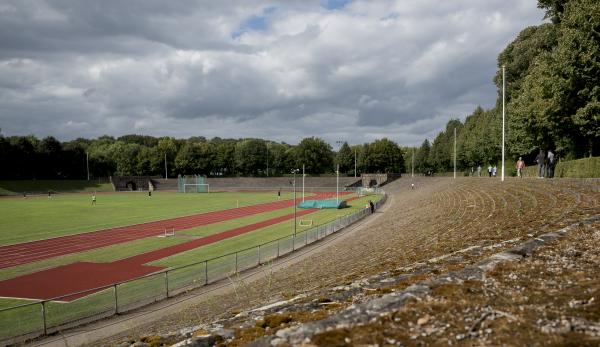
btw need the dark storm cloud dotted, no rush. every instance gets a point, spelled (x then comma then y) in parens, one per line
(352, 70)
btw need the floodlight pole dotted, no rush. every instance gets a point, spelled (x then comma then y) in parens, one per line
(267, 159)
(294, 171)
(166, 175)
(87, 164)
(303, 175)
(503, 114)
(454, 152)
(337, 183)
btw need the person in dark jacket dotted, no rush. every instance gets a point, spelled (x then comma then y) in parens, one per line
(372, 206)
(541, 161)
(550, 163)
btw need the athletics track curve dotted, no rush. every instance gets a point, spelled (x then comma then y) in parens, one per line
(82, 276)
(29, 252)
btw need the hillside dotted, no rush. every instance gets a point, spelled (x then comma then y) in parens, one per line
(440, 227)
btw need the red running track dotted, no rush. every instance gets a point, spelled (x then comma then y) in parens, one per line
(85, 276)
(29, 252)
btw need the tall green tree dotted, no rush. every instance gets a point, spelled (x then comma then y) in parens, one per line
(577, 72)
(251, 157)
(345, 159)
(384, 156)
(422, 163)
(315, 154)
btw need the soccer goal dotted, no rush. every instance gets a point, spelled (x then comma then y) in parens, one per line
(196, 188)
(305, 223)
(169, 231)
(192, 184)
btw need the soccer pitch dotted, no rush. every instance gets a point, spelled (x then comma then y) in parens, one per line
(37, 218)
(69, 214)
(40, 217)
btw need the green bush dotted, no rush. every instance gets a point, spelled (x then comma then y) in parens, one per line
(580, 168)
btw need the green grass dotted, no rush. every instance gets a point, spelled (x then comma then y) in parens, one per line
(128, 249)
(261, 236)
(43, 186)
(28, 318)
(99, 255)
(36, 218)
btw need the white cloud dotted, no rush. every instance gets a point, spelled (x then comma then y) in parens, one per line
(282, 71)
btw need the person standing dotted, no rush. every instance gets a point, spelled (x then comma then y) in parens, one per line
(550, 165)
(520, 167)
(490, 170)
(540, 160)
(372, 206)
(478, 170)
(494, 170)
(94, 199)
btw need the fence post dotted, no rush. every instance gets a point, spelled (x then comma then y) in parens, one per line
(167, 282)
(277, 248)
(44, 317)
(116, 300)
(258, 255)
(293, 242)
(306, 237)
(205, 272)
(236, 262)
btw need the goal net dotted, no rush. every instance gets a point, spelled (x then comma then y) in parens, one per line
(196, 188)
(193, 184)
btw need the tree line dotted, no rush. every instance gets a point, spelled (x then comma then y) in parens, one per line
(27, 157)
(552, 97)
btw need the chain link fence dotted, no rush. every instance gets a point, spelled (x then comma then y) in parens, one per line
(38, 318)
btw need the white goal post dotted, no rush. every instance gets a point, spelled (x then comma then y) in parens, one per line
(169, 231)
(305, 222)
(196, 188)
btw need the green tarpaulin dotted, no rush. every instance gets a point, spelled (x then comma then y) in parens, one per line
(331, 203)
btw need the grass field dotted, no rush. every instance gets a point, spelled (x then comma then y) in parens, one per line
(36, 218)
(39, 217)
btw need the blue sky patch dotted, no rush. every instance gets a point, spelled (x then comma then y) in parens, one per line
(334, 4)
(255, 23)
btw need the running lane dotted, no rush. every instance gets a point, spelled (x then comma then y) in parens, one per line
(63, 281)
(29, 252)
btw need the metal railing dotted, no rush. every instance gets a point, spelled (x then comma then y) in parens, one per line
(43, 317)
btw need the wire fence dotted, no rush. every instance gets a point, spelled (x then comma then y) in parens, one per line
(43, 317)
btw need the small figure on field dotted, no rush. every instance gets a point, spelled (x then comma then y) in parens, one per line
(520, 167)
(24, 195)
(279, 194)
(540, 160)
(550, 165)
(490, 170)
(494, 170)
(412, 186)
(372, 206)
(49, 194)
(479, 170)
(94, 198)
(472, 171)
(149, 192)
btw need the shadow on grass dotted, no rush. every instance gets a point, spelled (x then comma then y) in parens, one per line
(55, 186)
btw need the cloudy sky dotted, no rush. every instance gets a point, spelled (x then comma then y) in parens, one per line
(340, 70)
